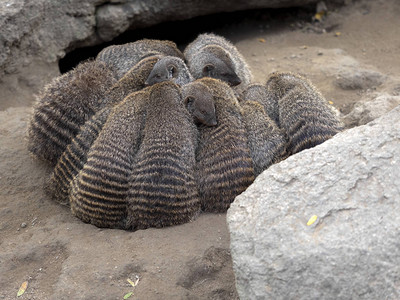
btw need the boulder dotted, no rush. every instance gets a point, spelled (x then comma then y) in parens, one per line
(324, 223)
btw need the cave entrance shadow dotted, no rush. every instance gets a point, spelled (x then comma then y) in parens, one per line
(234, 26)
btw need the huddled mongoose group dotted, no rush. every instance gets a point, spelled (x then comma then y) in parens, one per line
(145, 136)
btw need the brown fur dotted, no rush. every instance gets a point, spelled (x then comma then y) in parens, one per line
(123, 57)
(224, 167)
(266, 141)
(210, 55)
(98, 192)
(66, 104)
(74, 157)
(200, 103)
(304, 114)
(162, 189)
(258, 92)
(133, 80)
(170, 68)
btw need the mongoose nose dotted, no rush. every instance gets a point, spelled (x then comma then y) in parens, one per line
(212, 122)
(236, 81)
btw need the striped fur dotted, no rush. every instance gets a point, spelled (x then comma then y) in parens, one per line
(266, 141)
(162, 189)
(123, 57)
(304, 114)
(98, 192)
(66, 104)
(133, 80)
(75, 156)
(224, 166)
(258, 92)
(229, 65)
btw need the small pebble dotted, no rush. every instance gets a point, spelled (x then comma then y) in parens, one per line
(320, 53)
(23, 225)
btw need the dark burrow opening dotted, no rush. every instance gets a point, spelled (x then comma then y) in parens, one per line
(231, 25)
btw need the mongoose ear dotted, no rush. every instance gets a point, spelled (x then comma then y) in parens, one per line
(208, 68)
(172, 71)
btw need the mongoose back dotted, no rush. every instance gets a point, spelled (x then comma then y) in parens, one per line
(224, 166)
(74, 157)
(210, 55)
(162, 188)
(133, 80)
(258, 92)
(66, 104)
(123, 57)
(98, 191)
(304, 114)
(266, 141)
(200, 103)
(170, 68)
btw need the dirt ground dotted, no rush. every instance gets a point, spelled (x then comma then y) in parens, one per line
(62, 258)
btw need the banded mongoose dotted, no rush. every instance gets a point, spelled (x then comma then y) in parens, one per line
(74, 157)
(123, 57)
(133, 80)
(210, 55)
(200, 103)
(162, 188)
(98, 191)
(170, 68)
(266, 141)
(66, 104)
(258, 92)
(304, 114)
(224, 166)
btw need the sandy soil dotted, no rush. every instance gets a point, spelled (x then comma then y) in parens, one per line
(63, 258)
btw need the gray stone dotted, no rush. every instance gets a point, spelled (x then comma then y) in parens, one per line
(366, 111)
(359, 79)
(352, 251)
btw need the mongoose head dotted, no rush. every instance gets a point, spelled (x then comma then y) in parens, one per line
(170, 68)
(200, 103)
(216, 63)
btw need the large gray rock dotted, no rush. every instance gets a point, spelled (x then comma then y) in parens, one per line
(352, 251)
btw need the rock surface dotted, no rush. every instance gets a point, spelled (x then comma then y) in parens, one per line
(46, 29)
(351, 251)
(368, 110)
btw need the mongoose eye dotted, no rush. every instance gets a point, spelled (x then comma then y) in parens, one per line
(208, 68)
(172, 70)
(189, 100)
